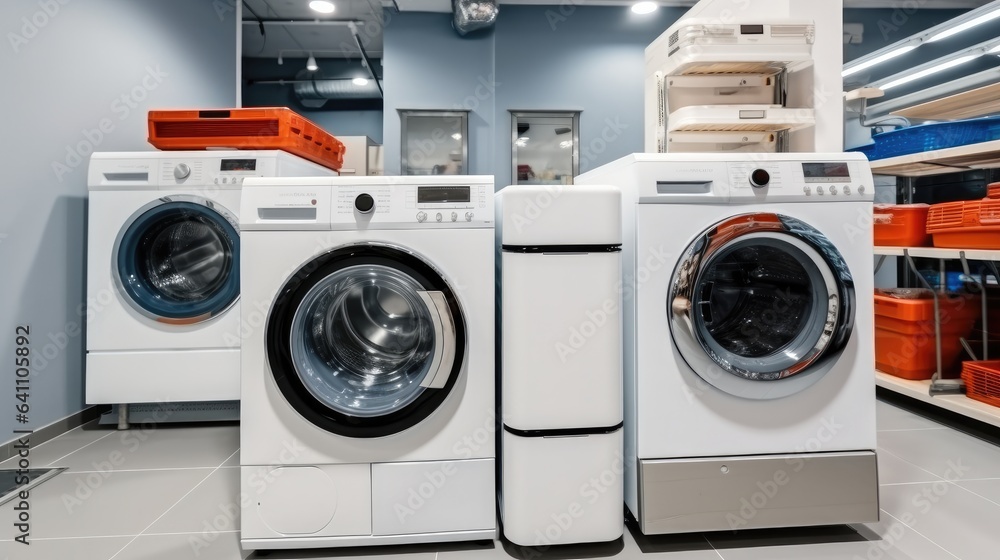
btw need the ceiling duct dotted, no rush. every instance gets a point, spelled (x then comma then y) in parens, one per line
(315, 92)
(473, 15)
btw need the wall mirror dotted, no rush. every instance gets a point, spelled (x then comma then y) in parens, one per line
(434, 142)
(545, 147)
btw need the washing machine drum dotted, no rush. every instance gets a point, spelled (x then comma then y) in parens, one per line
(759, 304)
(177, 260)
(365, 341)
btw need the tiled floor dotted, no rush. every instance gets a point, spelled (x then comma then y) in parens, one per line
(172, 493)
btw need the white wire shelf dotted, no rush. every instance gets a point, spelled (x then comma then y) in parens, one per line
(959, 404)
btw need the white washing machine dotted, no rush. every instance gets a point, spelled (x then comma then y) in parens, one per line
(163, 280)
(368, 378)
(749, 360)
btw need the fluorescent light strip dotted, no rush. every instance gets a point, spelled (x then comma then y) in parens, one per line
(989, 16)
(932, 70)
(878, 60)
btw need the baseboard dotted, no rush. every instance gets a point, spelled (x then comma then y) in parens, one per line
(55, 429)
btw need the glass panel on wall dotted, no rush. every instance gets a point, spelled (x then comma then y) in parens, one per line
(545, 148)
(435, 142)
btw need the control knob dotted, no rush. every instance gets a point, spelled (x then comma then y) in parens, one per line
(421, 216)
(469, 216)
(364, 203)
(760, 178)
(182, 171)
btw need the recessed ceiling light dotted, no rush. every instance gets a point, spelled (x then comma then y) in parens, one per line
(522, 141)
(644, 8)
(457, 136)
(311, 64)
(360, 81)
(322, 6)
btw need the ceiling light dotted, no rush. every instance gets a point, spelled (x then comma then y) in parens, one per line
(566, 144)
(322, 6)
(988, 16)
(932, 70)
(644, 8)
(522, 141)
(360, 81)
(995, 50)
(311, 64)
(457, 136)
(878, 60)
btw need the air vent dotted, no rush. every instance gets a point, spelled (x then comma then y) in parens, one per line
(674, 37)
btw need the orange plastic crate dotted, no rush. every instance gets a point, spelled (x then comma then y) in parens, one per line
(904, 331)
(972, 224)
(993, 190)
(276, 128)
(982, 381)
(901, 225)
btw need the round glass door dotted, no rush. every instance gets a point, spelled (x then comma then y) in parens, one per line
(366, 341)
(177, 260)
(761, 298)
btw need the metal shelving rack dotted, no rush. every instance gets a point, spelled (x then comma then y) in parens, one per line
(945, 394)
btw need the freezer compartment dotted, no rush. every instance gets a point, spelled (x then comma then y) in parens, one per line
(562, 490)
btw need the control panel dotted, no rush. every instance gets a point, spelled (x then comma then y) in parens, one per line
(426, 204)
(226, 171)
(811, 181)
(361, 203)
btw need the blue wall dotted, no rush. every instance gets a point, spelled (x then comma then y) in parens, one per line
(584, 59)
(360, 121)
(428, 66)
(82, 82)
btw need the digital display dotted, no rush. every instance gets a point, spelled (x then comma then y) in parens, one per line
(239, 165)
(752, 29)
(829, 171)
(443, 195)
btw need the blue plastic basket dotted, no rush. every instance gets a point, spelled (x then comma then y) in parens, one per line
(930, 137)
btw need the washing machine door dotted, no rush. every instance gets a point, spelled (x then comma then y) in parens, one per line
(760, 304)
(176, 260)
(366, 341)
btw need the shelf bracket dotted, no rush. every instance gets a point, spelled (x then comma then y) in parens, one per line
(878, 265)
(939, 386)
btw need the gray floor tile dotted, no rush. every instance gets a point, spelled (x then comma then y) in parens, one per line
(95, 504)
(223, 546)
(165, 447)
(959, 521)
(893, 470)
(891, 417)
(233, 461)
(822, 551)
(989, 488)
(944, 452)
(211, 507)
(78, 549)
(44, 454)
(890, 538)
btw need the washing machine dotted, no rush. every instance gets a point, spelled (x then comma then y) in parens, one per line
(163, 281)
(749, 361)
(368, 382)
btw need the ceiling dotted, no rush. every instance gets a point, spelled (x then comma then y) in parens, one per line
(328, 40)
(300, 39)
(445, 5)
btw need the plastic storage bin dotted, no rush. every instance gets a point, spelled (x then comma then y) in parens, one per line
(982, 381)
(901, 225)
(970, 224)
(904, 330)
(277, 128)
(930, 137)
